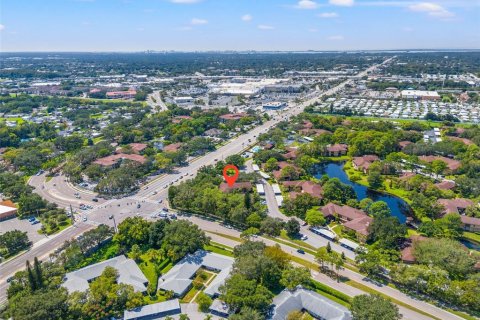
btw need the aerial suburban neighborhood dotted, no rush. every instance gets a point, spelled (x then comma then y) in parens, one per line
(289, 166)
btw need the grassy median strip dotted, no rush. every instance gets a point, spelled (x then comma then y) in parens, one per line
(400, 303)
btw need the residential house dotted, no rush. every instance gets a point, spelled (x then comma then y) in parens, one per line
(115, 160)
(173, 147)
(233, 116)
(470, 224)
(128, 273)
(363, 163)
(336, 150)
(457, 205)
(306, 300)
(445, 185)
(352, 219)
(452, 164)
(407, 252)
(242, 186)
(310, 187)
(179, 278)
(154, 311)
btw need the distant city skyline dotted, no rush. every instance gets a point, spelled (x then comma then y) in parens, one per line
(237, 25)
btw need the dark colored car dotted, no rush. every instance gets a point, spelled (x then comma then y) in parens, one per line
(300, 251)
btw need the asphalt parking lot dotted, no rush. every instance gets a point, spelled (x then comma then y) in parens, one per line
(22, 225)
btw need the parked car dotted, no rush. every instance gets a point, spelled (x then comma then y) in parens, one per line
(300, 251)
(95, 200)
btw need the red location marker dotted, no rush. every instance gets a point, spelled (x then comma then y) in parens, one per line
(230, 179)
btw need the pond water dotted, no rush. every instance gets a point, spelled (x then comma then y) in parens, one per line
(470, 244)
(398, 207)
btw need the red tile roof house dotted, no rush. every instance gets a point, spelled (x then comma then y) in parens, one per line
(179, 119)
(335, 150)
(282, 164)
(233, 116)
(310, 187)
(292, 154)
(457, 205)
(115, 159)
(174, 147)
(452, 164)
(314, 132)
(470, 223)
(307, 124)
(445, 185)
(352, 219)
(407, 252)
(363, 163)
(242, 186)
(122, 94)
(8, 210)
(136, 148)
(403, 144)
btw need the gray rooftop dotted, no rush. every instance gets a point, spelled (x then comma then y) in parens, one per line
(128, 271)
(179, 278)
(315, 304)
(153, 311)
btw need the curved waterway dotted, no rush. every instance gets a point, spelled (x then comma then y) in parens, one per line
(398, 207)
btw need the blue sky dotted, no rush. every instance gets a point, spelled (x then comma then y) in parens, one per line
(188, 25)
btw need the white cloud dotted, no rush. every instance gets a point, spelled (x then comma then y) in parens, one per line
(196, 21)
(343, 3)
(2, 27)
(328, 15)
(336, 38)
(185, 1)
(265, 27)
(432, 9)
(247, 17)
(306, 4)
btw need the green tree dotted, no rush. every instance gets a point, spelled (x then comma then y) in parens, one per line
(204, 302)
(271, 226)
(135, 252)
(292, 227)
(133, 230)
(373, 307)
(50, 304)
(315, 218)
(182, 237)
(379, 209)
(335, 190)
(238, 293)
(14, 241)
(293, 277)
(247, 314)
(271, 164)
(375, 179)
(387, 231)
(235, 159)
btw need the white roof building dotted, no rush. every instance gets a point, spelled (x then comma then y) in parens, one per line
(153, 311)
(128, 273)
(179, 278)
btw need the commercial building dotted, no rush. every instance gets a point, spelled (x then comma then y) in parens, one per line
(182, 100)
(130, 94)
(420, 95)
(128, 273)
(274, 105)
(8, 210)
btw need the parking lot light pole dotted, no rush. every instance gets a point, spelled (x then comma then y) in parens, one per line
(112, 217)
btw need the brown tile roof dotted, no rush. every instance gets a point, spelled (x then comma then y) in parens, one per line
(407, 252)
(470, 220)
(359, 225)
(345, 212)
(174, 147)
(468, 142)
(445, 185)
(224, 187)
(307, 124)
(364, 161)
(452, 205)
(114, 158)
(451, 163)
(8, 203)
(403, 144)
(291, 155)
(310, 187)
(233, 116)
(407, 175)
(337, 148)
(138, 147)
(314, 132)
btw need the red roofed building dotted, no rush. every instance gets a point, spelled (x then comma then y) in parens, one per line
(403, 144)
(445, 185)
(283, 164)
(452, 164)
(8, 210)
(179, 119)
(310, 187)
(233, 116)
(243, 186)
(344, 213)
(363, 163)
(470, 223)
(174, 147)
(116, 159)
(138, 147)
(457, 205)
(467, 142)
(314, 132)
(130, 94)
(359, 226)
(407, 252)
(336, 150)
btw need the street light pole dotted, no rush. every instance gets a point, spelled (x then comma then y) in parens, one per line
(114, 223)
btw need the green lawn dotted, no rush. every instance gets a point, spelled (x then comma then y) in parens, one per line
(301, 243)
(475, 237)
(219, 249)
